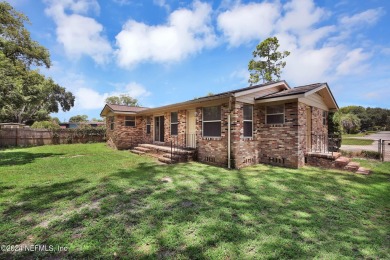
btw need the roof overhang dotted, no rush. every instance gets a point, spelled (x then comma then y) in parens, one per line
(323, 90)
(108, 110)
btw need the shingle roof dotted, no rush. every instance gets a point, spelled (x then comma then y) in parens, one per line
(243, 89)
(293, 91)
(124, 108)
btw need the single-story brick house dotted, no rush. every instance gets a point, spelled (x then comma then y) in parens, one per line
(268, 123)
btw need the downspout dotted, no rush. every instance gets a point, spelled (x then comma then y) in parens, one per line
(229, 132)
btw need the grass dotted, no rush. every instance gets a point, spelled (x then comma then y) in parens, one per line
(354, 141)
(102, 203)
(359, 134)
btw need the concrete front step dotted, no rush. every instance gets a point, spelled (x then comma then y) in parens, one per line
(167, 149)
(352, 166)
(363, 171)
(173, 156)
(341, 162)
(142, 149)
(165, 160)
(137, 152)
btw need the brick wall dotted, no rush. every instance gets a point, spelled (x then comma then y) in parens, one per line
(213, 150)
(125, 137)
(279, 143)
(245, 151)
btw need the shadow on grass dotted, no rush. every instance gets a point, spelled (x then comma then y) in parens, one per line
(20, 158)
(210, 212)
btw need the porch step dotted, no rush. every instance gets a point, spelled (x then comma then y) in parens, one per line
(363, 171)
(137, 152)
(174, 156)
(352, 166)
(166, 160)
(341, 162)
(142, 149)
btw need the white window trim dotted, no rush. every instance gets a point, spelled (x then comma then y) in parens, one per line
(210, 121)
(150, 124)
(245, 120)
(135, 121)
(177, 123)
(112, 123)
(266, 115)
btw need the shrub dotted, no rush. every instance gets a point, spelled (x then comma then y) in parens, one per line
(46, 125)
(371, 154)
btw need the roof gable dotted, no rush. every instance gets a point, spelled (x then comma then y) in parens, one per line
(121, 109)
(303, 92)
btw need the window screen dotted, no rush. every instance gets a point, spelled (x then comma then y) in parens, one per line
(130, 121)
(275, 114)
(212, 121)
(174, 123)
(248, 120)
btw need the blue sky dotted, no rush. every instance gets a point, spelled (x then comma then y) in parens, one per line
(166, 51)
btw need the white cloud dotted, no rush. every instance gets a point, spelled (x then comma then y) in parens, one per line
(79, 35)
(368, 17)
(300, 15)
(319, 51)
(186, 32)
(352, 62)
(163, 4)
(244, 23)
(88, 98)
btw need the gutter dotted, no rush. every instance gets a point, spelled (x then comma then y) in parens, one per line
(229, 132)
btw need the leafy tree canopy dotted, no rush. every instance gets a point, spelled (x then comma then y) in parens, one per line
(79, 118)
(25, 94)
(122, 100)
(370, 118)
(267, 63)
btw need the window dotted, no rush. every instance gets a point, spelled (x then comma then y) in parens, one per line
(112, 123)
(148, 127)
(174, 123)
(212, 121)
(248, 120)
(275, 114)
(130, 121)
(324, 117)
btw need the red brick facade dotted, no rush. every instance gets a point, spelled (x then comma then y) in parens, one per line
(278, 144)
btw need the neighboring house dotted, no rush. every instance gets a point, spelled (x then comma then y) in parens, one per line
(268, 123)
(76, 124)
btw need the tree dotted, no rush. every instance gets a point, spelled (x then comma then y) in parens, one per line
(349, 123)
(122, 100)
(79, 118)
(25, 94)
(267, 63)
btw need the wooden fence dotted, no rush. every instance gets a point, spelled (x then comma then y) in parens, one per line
(10, 137)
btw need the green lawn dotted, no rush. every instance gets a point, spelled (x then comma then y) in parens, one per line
(102, 203)
(359, 134)
(354, 141)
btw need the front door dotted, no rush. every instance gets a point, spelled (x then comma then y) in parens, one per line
(308, 129)
(159, 129)
(191, 129)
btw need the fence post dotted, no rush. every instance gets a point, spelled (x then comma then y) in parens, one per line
(383, 150)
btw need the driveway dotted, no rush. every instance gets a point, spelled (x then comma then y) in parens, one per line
(384, 135)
